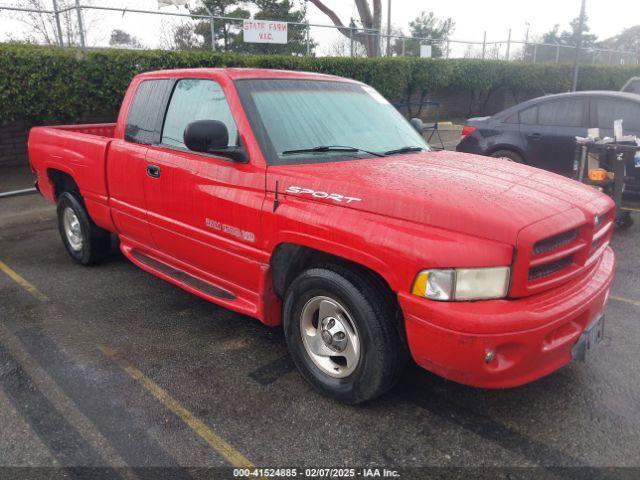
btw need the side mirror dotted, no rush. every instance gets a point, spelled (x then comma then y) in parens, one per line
(418, 124)
(212, 136)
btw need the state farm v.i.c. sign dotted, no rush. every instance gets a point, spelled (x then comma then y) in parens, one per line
(264, 31)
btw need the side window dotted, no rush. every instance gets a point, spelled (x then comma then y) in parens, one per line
(529, 116)
(562, 113)
(144, 121)
(610, 110)
(196, 99)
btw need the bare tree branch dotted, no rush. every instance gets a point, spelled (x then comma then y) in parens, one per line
(333, 16)
(369, 21)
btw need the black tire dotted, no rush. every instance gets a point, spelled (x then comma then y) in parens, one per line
(383, 351)
(96, 242)
(510, 155)
(624, 221)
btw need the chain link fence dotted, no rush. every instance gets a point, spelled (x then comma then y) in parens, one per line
(70, 23)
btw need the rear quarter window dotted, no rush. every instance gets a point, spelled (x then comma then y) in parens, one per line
(633, 86)
(609, 110)
(144, 121)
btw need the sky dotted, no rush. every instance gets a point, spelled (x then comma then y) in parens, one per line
(472, 18)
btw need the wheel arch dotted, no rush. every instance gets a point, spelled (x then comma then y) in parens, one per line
(290, 259)
(507, 146)
(62, 182)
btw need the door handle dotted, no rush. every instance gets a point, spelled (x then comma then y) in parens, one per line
(535, 136)
(153, 171)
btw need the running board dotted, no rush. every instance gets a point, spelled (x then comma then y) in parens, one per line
(183, 277)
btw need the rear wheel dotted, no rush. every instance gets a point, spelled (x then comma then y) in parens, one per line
(343, 333)
(86, 243)
(508, 155)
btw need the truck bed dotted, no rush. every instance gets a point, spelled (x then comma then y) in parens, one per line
(77, 150)
(97, 129)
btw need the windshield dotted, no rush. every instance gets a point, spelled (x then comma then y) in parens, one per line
(293, 117)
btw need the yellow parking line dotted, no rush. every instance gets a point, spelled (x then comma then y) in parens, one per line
(61, 402)
(22, 282)
(625, 300)
(216, 442)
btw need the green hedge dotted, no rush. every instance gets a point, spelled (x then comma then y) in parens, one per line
(47, 84)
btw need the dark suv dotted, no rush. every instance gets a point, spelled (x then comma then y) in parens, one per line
(541, 132)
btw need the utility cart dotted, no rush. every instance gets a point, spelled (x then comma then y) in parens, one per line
(608, 165)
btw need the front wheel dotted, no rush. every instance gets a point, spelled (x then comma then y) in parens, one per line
(86, 243)
(343, 332)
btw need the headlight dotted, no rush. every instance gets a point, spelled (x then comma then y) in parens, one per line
(463, 284)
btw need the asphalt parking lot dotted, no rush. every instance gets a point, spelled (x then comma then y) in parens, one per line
(111, 367)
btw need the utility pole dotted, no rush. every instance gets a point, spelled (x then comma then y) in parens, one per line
(388, 28)
(576, 64)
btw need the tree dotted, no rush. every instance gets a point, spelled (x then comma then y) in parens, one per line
(180, 37)
(370, 17)
(228, 34)
(552, 36)
(427, 25)
(283, 10)
(570, 37)
(566, 40)
(628, 40)
(43, 27)
(120, 38)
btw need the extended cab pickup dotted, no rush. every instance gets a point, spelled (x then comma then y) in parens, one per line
(308, 201)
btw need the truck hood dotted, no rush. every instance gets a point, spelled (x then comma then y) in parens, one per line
(480, 196)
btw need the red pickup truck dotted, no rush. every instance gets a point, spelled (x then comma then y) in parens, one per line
(308, 201)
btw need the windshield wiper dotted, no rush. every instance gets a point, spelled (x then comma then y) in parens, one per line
(404, 150)
(330, 148)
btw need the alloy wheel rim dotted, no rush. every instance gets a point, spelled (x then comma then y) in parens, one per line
(72, 229)
(330, 337)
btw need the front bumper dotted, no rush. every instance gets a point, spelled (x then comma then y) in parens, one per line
(532, 336)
